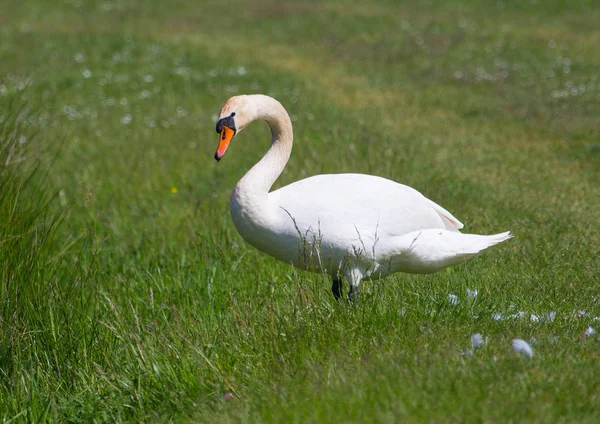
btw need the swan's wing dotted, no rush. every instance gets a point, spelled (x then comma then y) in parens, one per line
(450, 220)
(352, 204)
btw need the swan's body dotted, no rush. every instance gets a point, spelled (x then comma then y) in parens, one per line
(360, 226)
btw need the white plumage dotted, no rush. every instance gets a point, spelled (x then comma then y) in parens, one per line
(353, 225)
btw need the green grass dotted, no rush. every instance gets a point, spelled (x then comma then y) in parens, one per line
(127, 295)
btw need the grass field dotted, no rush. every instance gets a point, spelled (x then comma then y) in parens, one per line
(127, 295)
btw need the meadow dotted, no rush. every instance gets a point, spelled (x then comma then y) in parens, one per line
(126, 295)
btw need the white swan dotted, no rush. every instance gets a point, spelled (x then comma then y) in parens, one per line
(353, 225)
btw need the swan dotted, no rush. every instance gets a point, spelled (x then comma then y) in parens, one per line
(348, 225)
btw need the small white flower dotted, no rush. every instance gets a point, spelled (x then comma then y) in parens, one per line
(521, 346)
(498, 316)
(519, 314)
(477, 340)
(86, 73)
(453, 299)
(549, 317)
(126, 120)
(472, 293)
(181, 112)
(589, 332)
(534, 318)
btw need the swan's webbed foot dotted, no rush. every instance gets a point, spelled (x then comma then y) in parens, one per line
(353, 293)
(336, 288)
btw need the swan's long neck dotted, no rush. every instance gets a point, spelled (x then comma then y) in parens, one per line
(260, 178)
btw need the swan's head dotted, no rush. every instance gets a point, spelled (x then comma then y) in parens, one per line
(234, 116)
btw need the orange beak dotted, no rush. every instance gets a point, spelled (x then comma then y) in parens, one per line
(224, 140)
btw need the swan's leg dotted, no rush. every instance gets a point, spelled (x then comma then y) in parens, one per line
(354, 276)
(336, 287)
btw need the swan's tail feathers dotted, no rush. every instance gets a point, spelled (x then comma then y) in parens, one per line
(431, 250)
(495, 238)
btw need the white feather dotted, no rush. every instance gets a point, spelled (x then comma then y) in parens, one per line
(360, 226)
